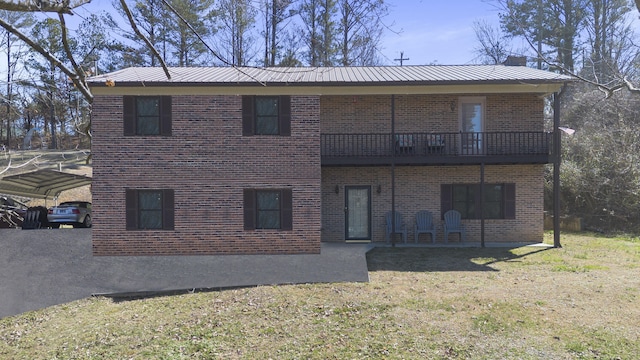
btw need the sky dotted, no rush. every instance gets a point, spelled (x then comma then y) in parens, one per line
(435, 31)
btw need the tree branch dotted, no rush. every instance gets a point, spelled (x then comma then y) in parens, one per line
(144, 38)
(67, 48)
(80, 84)
(622, 81)
(55, 6)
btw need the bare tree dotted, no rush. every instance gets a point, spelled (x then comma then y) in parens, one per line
(492, 48)
(360, 30)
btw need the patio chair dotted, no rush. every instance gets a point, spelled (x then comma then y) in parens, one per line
(452, 224)
(399, 228)
(424, 225)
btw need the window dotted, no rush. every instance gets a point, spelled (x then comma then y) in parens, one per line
(266, 115)
(268, 209)
(150, 209)
(499, 200)
(147, 115)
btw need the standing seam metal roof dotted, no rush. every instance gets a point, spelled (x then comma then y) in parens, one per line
(334, 76)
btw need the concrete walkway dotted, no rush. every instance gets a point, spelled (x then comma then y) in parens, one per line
(41, 268)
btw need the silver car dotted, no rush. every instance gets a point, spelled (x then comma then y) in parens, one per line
(76, 213)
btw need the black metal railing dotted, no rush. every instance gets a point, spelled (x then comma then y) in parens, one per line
(424, 145)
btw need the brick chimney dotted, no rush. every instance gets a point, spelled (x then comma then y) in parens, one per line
(515, 61)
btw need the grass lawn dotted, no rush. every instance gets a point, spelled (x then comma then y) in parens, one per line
(578, 302)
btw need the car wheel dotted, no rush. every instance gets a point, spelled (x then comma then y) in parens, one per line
(87, 222)
(55, 226)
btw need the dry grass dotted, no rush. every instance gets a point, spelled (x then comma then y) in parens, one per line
(578, 302)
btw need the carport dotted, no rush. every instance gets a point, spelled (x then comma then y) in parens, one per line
(44, 184)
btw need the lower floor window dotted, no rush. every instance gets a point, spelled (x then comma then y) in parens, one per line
(150, 209)
(498, 200)
(267, 209)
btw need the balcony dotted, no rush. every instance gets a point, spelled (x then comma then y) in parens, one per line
(436, 148)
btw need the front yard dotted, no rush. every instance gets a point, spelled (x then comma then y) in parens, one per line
(578, 302)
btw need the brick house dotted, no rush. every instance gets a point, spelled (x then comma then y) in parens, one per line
(276, 161)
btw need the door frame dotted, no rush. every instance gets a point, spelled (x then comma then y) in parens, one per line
(479, 144)
(346, 212)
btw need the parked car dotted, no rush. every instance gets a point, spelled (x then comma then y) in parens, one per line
(76, 213)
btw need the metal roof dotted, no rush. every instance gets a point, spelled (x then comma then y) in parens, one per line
(41, 184)
(330, 76)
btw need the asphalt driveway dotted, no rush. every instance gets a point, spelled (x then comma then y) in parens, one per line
(41, 268)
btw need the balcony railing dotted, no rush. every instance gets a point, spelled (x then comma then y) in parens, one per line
(436, 148)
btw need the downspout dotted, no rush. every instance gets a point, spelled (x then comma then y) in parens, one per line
(393, 170)
(557, 137)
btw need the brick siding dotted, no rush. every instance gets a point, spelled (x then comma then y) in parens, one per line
(208, 163)
(418, 187)
(426, 113)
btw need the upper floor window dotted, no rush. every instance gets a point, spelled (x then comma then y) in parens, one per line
(268, 209)
(147, 115)
(149, 209)
(266, 115)
(499, 200)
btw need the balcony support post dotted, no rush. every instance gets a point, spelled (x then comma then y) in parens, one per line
(557, 148)
(482, 204)
(393, 170)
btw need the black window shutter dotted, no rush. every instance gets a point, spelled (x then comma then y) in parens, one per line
(286, 210)
(284, 115)
(446, 199)
(129, 115)
(509, 201)
(248, 115)
(165, 116)
(249, 209)
(131, 209)
(168, 209)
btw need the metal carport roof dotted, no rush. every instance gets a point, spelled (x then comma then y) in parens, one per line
(41, 184)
